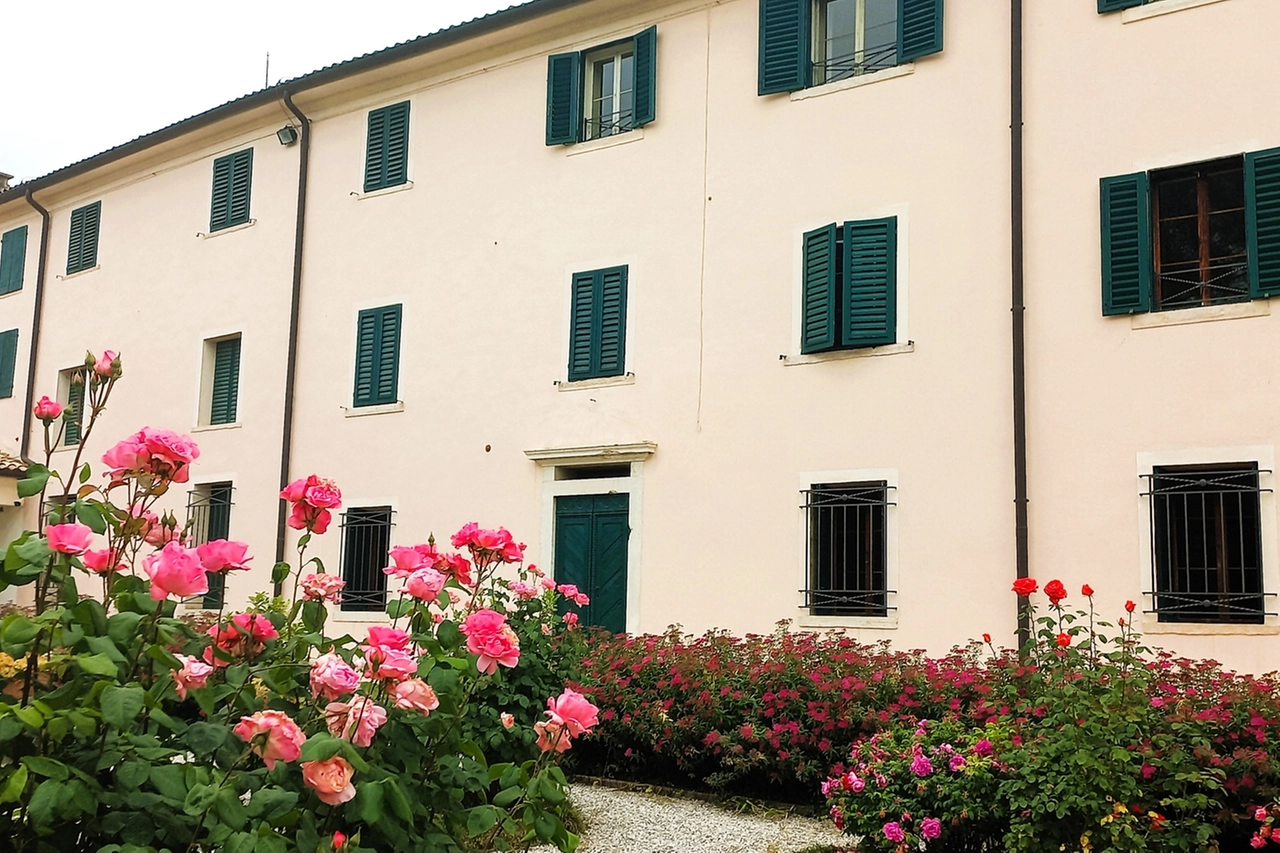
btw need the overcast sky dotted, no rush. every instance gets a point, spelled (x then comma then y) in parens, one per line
(84, 75)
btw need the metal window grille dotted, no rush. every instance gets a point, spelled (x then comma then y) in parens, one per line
(611, 100)
(1200, 244)
(853, 37)
(208, 519)
(366, 539)
(1206, 544)
(846, 549)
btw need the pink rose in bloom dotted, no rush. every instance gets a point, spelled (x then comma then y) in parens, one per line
(552, 737)
(490, 637)
(463, 537)
(573, 711)
(893, 832)
(307, 517)
(921, 766)
(102, 562)
(983, 748)
(72, 538)
(175, 570)
(404, 561)
(283, 740)
(171, 454)
(568, 590)
(507, 720)
(47, 410)
(523, 590)
(457, 567)
(389, 664)
(323, 587)
(323, 494)
(331, 780)
(548, 583)
(957, 763)
(430, 554)
(194, 674)
(570, 619)
(581, 599)
(1257, 841)
(930, 828)
(331, 677)
(388, 638)
(356, 721)
(425, 584)
(243, 636)
(295, 491)
(415, 695)
(256, 626)
(104, 365)
(1260, 814)
(224, 555)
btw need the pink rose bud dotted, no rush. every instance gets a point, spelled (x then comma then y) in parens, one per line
(47, 410)
(338, 840)
(507, 720)
(106, 363)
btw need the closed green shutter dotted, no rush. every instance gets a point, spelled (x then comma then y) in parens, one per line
(377, 356)
(870, 282)
(8, 361)
(919, 28)
(581, 327)
(564, 98)
(232, 176)
(221, 203)
(386, 162)
(1126, 244)
(82, 247)
(818, 324)
(1262, 218)
(1105, 6)
(226, 382)
(598, 324)
(784, 46)
(74, 411)
(612, 285)
(13, 259)
(646, 54)
(217, 526)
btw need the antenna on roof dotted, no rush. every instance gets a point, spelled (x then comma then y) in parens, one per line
(266, 75)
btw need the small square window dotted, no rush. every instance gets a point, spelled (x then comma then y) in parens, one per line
(209, 519)
(1199, 242)
(366, 540)
(847, 545)
(1206, 544)
(853, 37)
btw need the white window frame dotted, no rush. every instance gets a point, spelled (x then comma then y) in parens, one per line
(808, 480)
(818, 53)
(359, 617)
(616, 52)
(208, 360)
(64, 399)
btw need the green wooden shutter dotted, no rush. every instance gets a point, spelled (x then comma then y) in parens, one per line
(646, 54)
(377, 356)
(582, 326)
(75, 240)
(241, 178)
(8, 361)
(612, 335)
(564, 98)
(818, 322)
(785, 59)
(74, 411)
(220, 205)
(82, 247)
(375, 154)
(870, 283)
(13, 259)
(591, 536)
(226, 382)
(1105, 6)
(1262, 218)
(1126, 244)
(217, 526)
(397, 157)
(919, 28)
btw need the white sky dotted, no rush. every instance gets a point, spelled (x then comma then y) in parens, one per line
(84, 75)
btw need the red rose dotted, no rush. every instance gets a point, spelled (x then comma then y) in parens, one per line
(1055, 591)
(1064, 640)
(1129, 606)
(1086, 590)
(986, 638)
(1025, 586)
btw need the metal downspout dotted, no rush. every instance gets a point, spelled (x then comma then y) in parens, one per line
(36, 316)
(291, 366)
(1021, 531)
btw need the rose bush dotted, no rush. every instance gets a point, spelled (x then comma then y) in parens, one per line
(123, 729)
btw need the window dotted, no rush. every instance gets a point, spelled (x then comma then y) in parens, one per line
(82, 246)
(810, 42)
(71, 393)
(366, 539)
(221, 381)
(606, 90)
(386, 159)
(377, 356)
(232, 176)
(8, 361)
(1206, 543)
(209, 519)
(849, 280)
(1105, 6)
(847, 546)
(1196, 235)
(598, 324)
(13, 259)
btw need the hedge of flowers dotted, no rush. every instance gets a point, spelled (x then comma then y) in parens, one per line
(123, 730)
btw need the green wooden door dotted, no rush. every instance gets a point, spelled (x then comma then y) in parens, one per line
(591, 553)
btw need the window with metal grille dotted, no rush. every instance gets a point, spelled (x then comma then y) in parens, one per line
(1200, 235)
(852, 37)
(606, 90)
(610, 96)
(1206, 544)
(209, 519)
(366, 539)
(846, 549)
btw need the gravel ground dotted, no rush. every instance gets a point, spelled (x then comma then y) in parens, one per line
(629, 822)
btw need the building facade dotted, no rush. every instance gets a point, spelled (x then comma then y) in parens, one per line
(709, 303)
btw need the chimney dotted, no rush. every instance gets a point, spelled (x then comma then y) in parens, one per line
(4, 181)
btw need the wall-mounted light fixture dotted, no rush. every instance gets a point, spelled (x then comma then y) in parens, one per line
(287, 135)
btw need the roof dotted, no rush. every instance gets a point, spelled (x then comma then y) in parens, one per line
(516, 14)
(11, 465)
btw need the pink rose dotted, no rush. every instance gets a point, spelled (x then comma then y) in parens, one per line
(71, 538)
(430, 554)
(507, 720)
(128, 456)
(105, 363)
(930, 828)
(331, 677)
(257, 627)
(223, 555)
(47, 410)
(523, 590)
(415, 695)
(457, 567)
(294, 491)
(323, 587)
(307, 517)
(331, 780)
(175, 570)
(425, 584)
(548, 583)
(573, 711)
(323, 494)
(581, 599)
(356, 721)
(283, 741)
(389, 664)
(102, 562)
(170, 454)
(463, 537)
(893, 832)
(552, 736)
(490, 637)
(568, 590)
(404, 561)
(570, 619)
(194, 674)
(388, 638)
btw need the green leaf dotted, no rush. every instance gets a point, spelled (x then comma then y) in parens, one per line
(400, 607)
(397, 800)
(272, 803)
(132, 774)
(14, 786)
(482, 819)
(205, 738)
(321, 747)
(545, 825)
(33, 483)
(35, 551)
(169, 780)
(269, 842)
(448, 634)
(30, 716)
(237, 674)
(230, 810)
(97, 665)
(90, 516)
(507, 796)
(199, 798)
(313, 615)
(162, 655)
(44, 802)
(46, 767)
(121, 705)
(367, 806)
(279, 572)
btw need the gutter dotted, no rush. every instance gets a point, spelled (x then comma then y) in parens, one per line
(36, 315)
(1018, 309)
(291, 363)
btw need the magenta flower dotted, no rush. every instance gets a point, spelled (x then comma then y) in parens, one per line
(930, 828)
(921, 766)
(893, 832)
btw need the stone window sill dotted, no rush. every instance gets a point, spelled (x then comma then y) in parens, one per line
(854, 82)
(215, 427)
(366, 411)
(602, 382)
(1205, 314)
(79, 273)
(1151, 625)
(203, 235)
(606, 142)
(1163, 7)
(398, 188)
(885, 623)
(842, 354)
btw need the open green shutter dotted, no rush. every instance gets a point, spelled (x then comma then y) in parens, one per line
(611, 339)
(375, 150)
(240, 179)
(818, 323)
(646, 54)
(1126, 244)
(74, 411)
(221, 204)
(581, 326)
(870, 283)
(1105, 6)
(564, 98)
(387, 371)
(8, 361)
(397, 157)
(919, 28)
(784, 46)
(13, 259)
(226, 382)
(1262, 218)
(366, 354)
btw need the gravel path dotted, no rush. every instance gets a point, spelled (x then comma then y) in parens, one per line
(629, 822)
